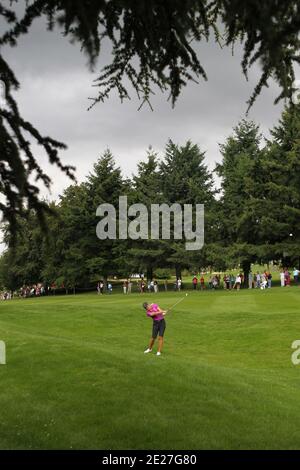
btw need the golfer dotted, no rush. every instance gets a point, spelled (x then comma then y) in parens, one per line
(158, 328)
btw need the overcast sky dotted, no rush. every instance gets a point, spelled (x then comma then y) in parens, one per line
(56, 83)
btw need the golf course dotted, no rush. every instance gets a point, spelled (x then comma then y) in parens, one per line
(77, 377)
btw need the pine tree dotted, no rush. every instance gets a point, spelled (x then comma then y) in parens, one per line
(186, 180)
(98, 258)
(242, 194)
(281, 170)
(146, 255)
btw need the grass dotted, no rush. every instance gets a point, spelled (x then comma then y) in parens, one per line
(76, 376)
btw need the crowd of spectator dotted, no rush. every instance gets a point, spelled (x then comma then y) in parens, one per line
(285, 277)
(227, 281)
(27, 291)
(6, 295)
(36, 290)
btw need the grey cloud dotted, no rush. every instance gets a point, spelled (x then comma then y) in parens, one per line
(55, 85)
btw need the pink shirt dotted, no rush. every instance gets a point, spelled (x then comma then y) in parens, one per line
(154, 308)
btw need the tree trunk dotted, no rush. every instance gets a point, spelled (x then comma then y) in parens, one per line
(246, 266)
(149, 273)
(178, 271)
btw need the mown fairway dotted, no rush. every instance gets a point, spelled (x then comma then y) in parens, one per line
(76, 376)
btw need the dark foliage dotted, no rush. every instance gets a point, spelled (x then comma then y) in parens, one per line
(153, 46)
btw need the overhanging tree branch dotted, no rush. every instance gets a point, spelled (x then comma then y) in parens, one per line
(153, 46)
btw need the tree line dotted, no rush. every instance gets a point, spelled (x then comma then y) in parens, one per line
(252, 217)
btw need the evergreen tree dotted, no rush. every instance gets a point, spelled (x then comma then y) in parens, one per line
(26, 260)
(281, 170)
(98, 258)
(186, 180)
(146, 255)
(242, 194)
(71, 245)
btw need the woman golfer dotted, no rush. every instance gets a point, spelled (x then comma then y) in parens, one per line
(159, 326)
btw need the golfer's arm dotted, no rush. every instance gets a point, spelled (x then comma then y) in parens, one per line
(162, 311)
(154, 314)
(151, 314)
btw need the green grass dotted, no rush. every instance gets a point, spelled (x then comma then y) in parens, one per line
(76, 376)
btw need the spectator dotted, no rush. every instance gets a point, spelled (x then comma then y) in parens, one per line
(282, 278)
(143, 285)
(250, 280)
(287, 278)
(269, 278)
(238, 281)
(215, 282)
(264, 281)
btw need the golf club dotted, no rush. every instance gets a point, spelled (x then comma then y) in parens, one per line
(178, 301)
